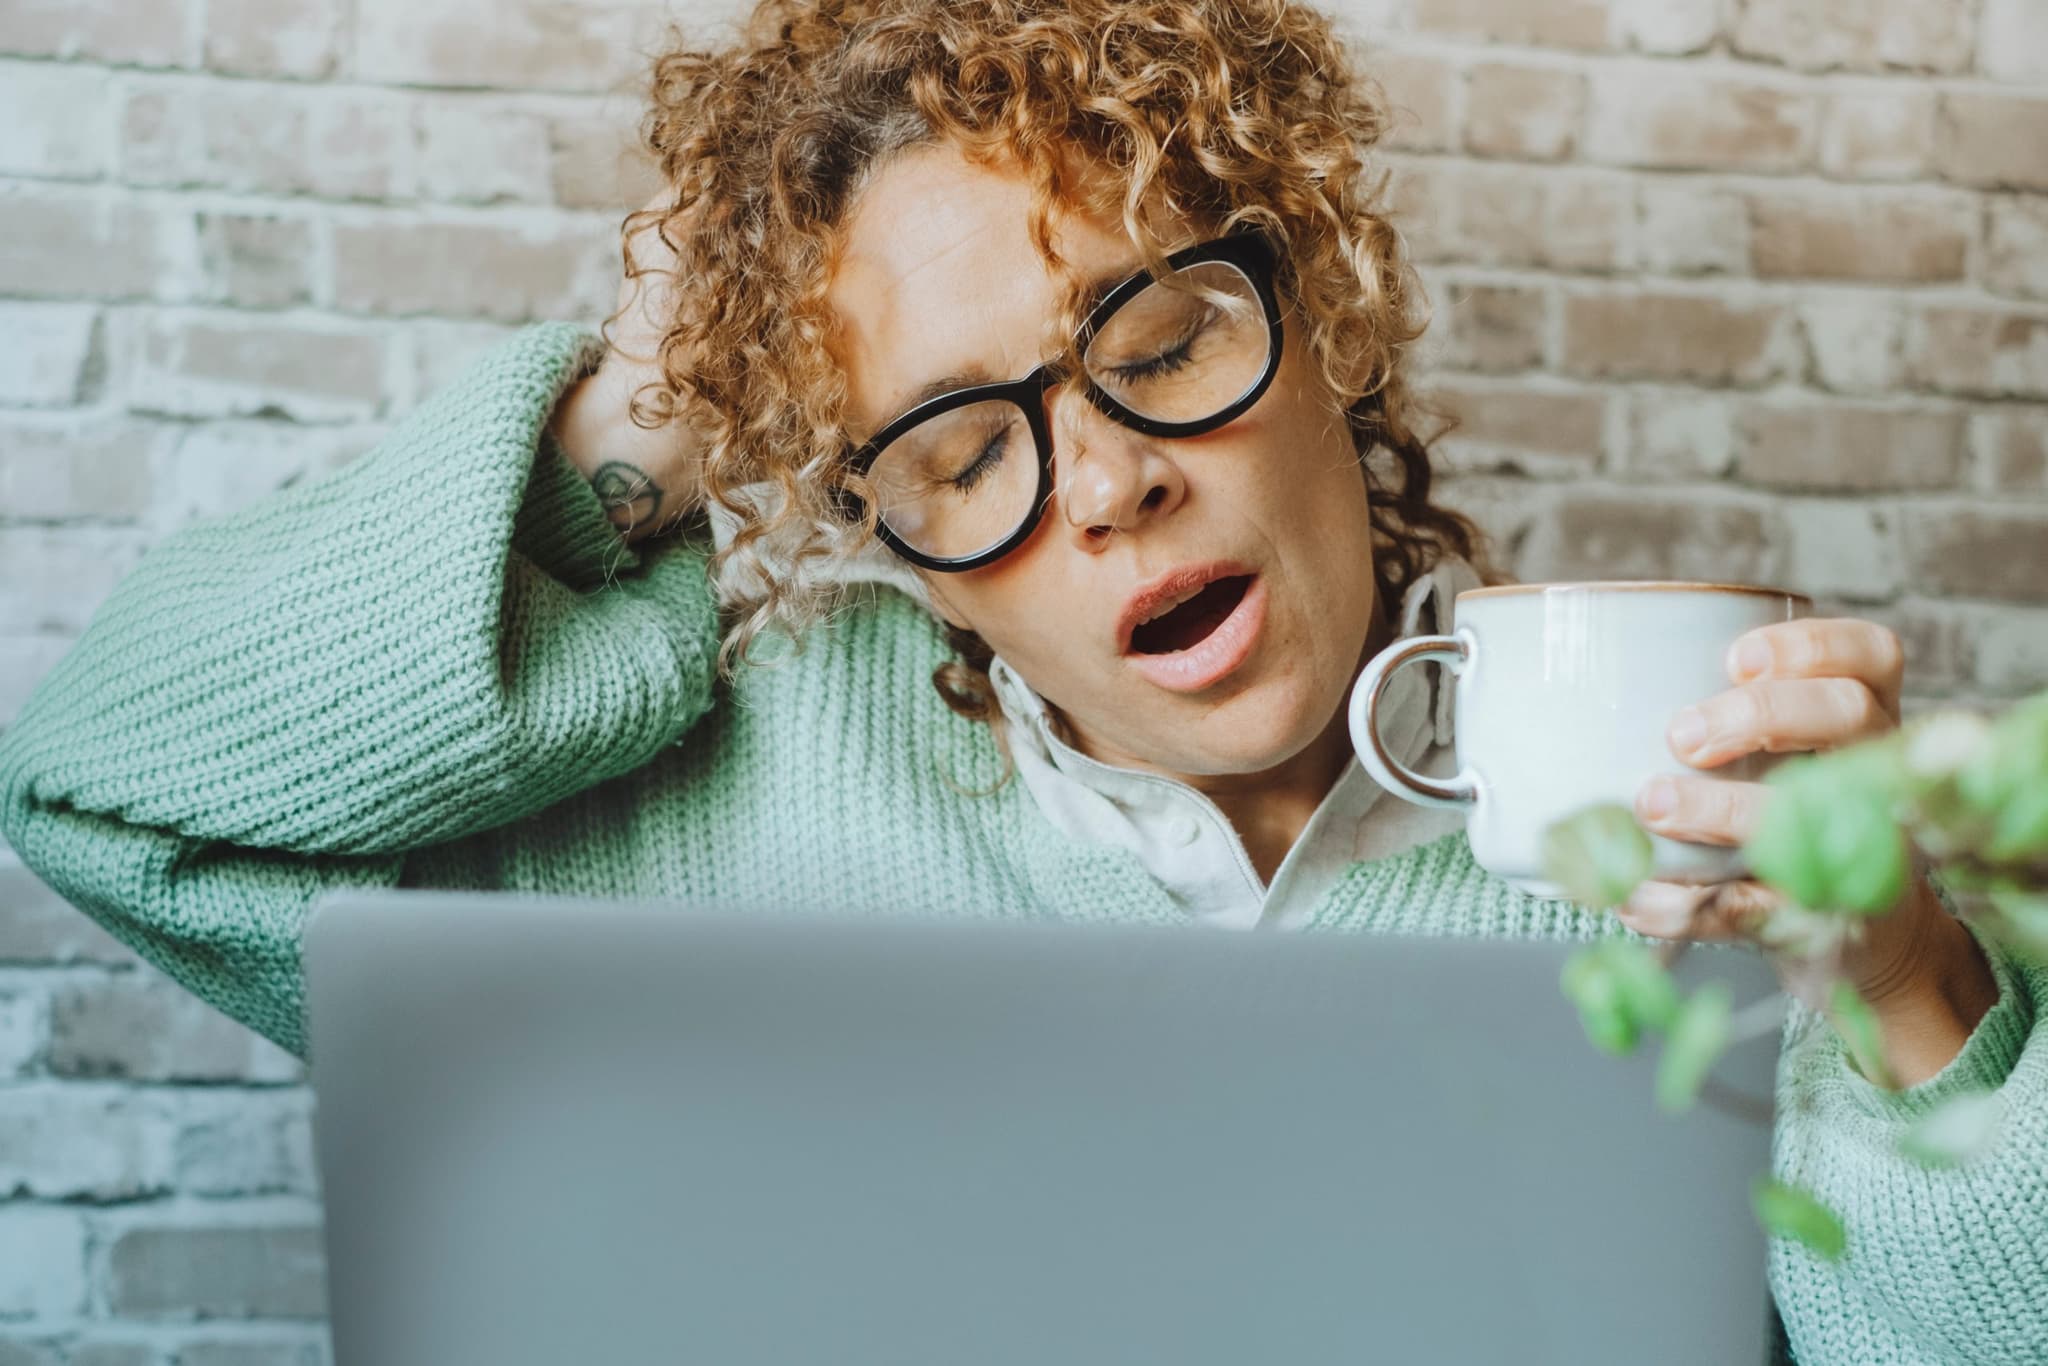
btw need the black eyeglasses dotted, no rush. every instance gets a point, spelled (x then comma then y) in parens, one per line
(1175, 355)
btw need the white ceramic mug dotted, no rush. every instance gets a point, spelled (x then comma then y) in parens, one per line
(1563, 695)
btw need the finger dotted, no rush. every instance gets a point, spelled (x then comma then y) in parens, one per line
(1823, 647)
(1717, 912)
(1775, 716)
(1700, 810)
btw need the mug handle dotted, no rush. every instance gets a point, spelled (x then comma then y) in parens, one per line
(1452, 651)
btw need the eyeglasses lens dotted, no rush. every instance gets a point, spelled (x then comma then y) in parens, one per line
(1181, 350)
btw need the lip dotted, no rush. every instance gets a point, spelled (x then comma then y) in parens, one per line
(1218, 654)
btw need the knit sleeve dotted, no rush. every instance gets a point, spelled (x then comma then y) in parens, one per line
(444, 636)
(1944, 1263)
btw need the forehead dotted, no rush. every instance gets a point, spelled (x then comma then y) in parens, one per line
(938, 276)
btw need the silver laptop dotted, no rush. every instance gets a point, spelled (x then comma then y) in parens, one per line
(560, 1131)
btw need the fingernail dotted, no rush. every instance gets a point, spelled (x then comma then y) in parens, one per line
(1688, 729)
(1750, 657)
(1660, 798)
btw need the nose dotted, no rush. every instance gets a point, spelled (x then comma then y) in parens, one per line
(1108, 478)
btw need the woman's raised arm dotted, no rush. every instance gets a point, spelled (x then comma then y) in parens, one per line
(446, 635)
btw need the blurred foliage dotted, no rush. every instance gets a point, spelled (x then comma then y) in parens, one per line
(1787, 1211)
(1838, 837)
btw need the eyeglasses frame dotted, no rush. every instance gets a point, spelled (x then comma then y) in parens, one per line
(1251, 251)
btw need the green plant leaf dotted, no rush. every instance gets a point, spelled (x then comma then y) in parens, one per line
(1698, 1036)
(1959, 1129)
(1598, 855)
(1646, 988)
(1938, 744)
(1788, 1211)
(1831, 844)
(1590, 983)
(1856, 1022)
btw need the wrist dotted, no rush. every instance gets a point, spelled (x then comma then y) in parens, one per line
(1927, 982)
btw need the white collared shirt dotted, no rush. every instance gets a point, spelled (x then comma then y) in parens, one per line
(1185, 842)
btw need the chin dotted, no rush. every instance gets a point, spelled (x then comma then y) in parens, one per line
(1260, 729)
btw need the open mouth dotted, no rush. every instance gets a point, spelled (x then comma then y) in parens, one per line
(1188, 623)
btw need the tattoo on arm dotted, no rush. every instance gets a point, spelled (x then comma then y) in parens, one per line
(631, 499)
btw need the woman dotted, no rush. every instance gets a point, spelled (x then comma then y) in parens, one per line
(1078, 322)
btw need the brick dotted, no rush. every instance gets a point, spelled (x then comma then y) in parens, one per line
(111, 1352)
(1852, 339)
(268, 1352)
(2011, 449)
(596, 164)
(1669, 117)
(47, 351)
(483, 152)
(226, 1272)
(1671, 27)
(1850, 447)
(1894, 236)
(1501, 215)
(79, 243)
(123, 32)
(64, 466)
(233, 1142)
(24, 659)
(267, 139)
(272, 37)
(43, 1248)
(2016, 246)
(1863, 35)
(255, 260)
(516, 45)
(1978, 552)
(1541, 432)
(1881, 134)
(1939, 640)
(53, 120)
(227, 364)
(2011, 651)
(1556, 23)
(443, 350)
(1966, 349)
(1526, 113)
(52, 580)
(1845, 550)
(67, 1142)
(1996, 141)
(1678, 434)
(2012, 40)
(218, 467)
(1493, 327)
(1683, 227)
(24, 1031)
(38, 926)
(1649, 534)
(1705, 338)
(512, 272)
(143, 1027)
(1421, 94)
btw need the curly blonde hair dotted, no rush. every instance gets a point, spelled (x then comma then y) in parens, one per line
(1215, 113)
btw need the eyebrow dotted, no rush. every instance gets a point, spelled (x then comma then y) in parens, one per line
(1090, 298)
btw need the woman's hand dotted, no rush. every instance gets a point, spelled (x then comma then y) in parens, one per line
(648, 478)
(1810, 685)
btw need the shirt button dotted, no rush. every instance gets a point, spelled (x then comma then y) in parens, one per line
(1184, 830)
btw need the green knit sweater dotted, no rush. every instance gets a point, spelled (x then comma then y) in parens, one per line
(441, 667)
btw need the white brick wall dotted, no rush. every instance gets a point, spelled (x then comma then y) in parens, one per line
(1726, 288)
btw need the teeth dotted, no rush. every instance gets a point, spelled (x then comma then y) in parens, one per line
(1169, 605)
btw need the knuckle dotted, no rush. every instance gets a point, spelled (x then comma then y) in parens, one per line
(1888, 650)
(1854, 702)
